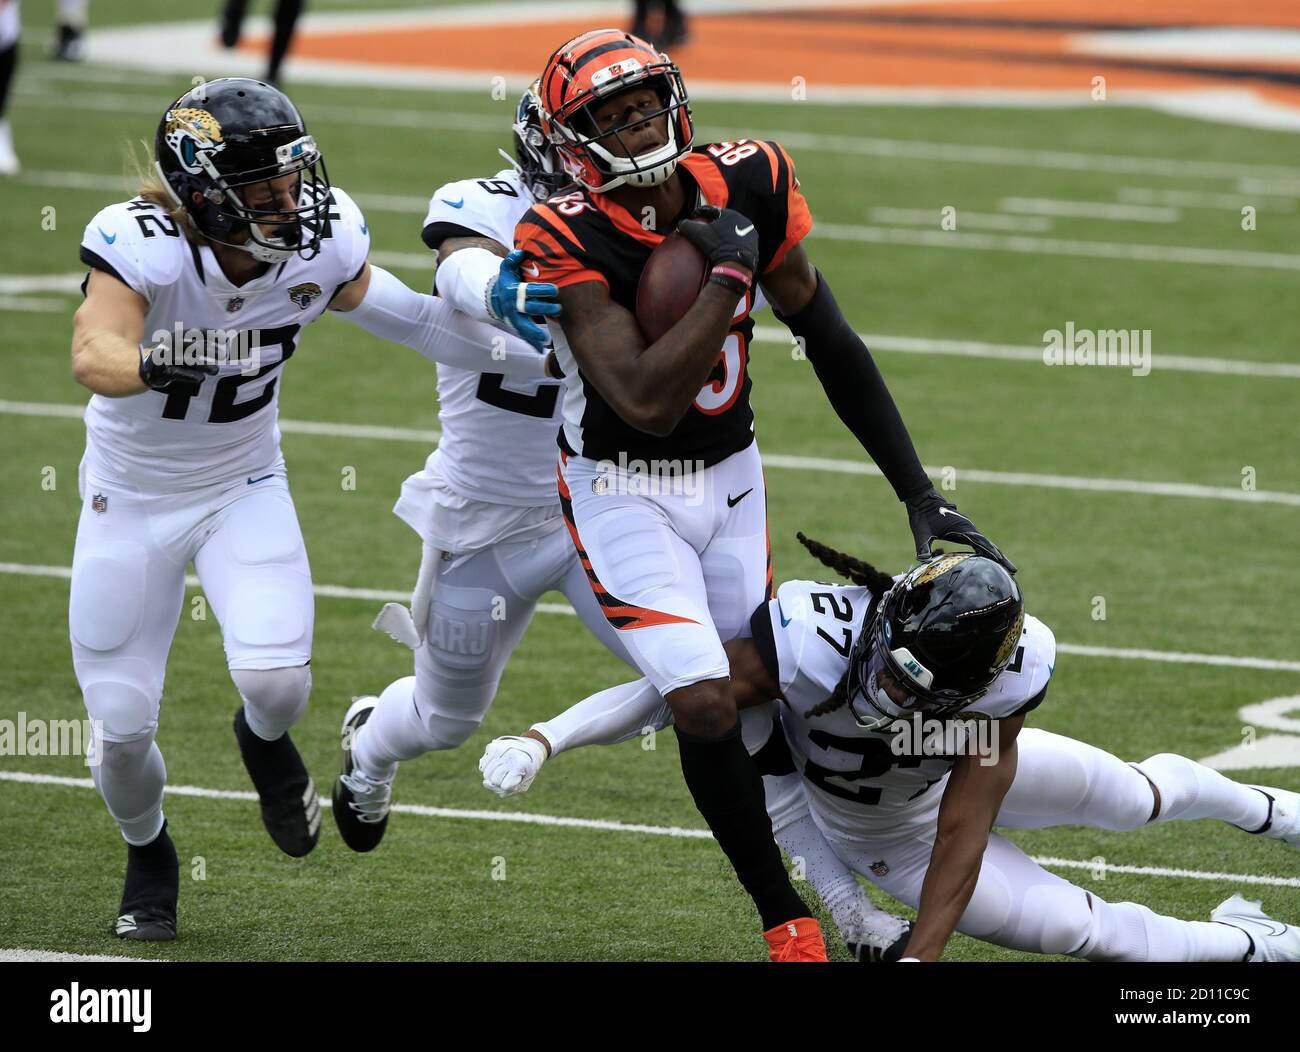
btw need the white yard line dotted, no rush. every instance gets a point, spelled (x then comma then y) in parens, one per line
(1047, 206)
(1149, 195)
(1045, 246)
(965, 219)
(793, 139)
(387, 595)
(414, 206)
(677, 832)
(1144, 487)
(53, 956)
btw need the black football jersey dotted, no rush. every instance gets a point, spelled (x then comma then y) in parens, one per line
(582, 236)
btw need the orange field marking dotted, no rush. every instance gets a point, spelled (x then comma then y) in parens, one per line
(1016, 45)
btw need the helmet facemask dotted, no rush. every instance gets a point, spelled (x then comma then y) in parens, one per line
(578, 137)
(225, 176)
(535, 158)
(887, 685)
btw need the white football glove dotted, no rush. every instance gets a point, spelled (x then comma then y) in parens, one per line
(510, 764)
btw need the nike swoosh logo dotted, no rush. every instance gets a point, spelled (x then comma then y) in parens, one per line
(532, 271)
(110, 238)
(745, 230)
(262, 479)
(785, 621)
(733, 501)
(948, 511)
(454, 204)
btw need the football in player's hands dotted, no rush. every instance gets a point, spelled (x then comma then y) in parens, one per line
(670, 282)
(723, 235)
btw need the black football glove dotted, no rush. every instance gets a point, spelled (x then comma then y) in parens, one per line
(933, 518)
(157, 372)
(723, 235)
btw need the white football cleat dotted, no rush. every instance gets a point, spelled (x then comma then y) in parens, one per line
(876, 936)
(510, 764)
(1284, 816)
(1272, 941)
(360, 805)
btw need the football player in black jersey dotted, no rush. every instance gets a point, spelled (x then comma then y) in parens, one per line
(660, 479)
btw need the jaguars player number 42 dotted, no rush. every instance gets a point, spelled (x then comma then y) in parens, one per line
(198, 292)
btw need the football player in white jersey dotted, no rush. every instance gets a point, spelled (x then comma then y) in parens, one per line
(197, 294)
(486, 508)
(902, 704)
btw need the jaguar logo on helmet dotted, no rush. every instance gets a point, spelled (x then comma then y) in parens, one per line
(1009, 641)
(938, 568)
(193, 136)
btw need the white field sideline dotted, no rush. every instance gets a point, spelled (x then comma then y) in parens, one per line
(388, 595)
(607, 826)
(1143, 487)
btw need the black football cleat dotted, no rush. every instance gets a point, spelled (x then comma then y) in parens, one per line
(290, 806)
(360, 805)
(148, 909)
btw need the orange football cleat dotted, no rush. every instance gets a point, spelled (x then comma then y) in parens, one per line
(796, 941)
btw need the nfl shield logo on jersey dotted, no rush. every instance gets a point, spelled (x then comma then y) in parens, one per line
(234, 303)
(304, 295)
(99, 503)
(880, 868)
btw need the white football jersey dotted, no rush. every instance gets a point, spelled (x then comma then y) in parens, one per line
(855, 777)
(225, 428)
(498, 436)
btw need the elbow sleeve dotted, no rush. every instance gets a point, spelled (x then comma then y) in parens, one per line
(463, 280)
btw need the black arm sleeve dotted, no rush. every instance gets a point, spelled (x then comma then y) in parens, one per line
(857, 391)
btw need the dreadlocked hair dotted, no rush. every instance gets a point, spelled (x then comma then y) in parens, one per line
(859, 571)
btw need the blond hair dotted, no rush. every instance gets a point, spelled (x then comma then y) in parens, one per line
(150, 187)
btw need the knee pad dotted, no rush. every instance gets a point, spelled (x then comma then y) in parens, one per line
(127, 711)
(1176, 779)
(274, 698)
(447, 733)
(106, 604)
(1055, 918)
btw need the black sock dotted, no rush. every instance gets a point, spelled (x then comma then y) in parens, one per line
(152, 876)
(286, 17)
(728, 790)
(8, 63)
(160, 851)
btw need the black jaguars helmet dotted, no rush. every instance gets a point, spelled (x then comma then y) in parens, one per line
(535, 158)
(939, 639)
(226, 140)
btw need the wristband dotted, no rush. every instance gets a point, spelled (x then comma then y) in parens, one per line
(729, 278)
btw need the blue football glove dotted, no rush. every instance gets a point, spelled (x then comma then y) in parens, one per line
(515, 301)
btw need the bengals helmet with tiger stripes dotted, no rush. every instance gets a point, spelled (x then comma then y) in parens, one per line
(589, 69)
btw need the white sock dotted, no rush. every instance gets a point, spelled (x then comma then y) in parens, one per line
(130, 777)
(833, 881)
(394, 732)
(1128, 931)
(1190, 790)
